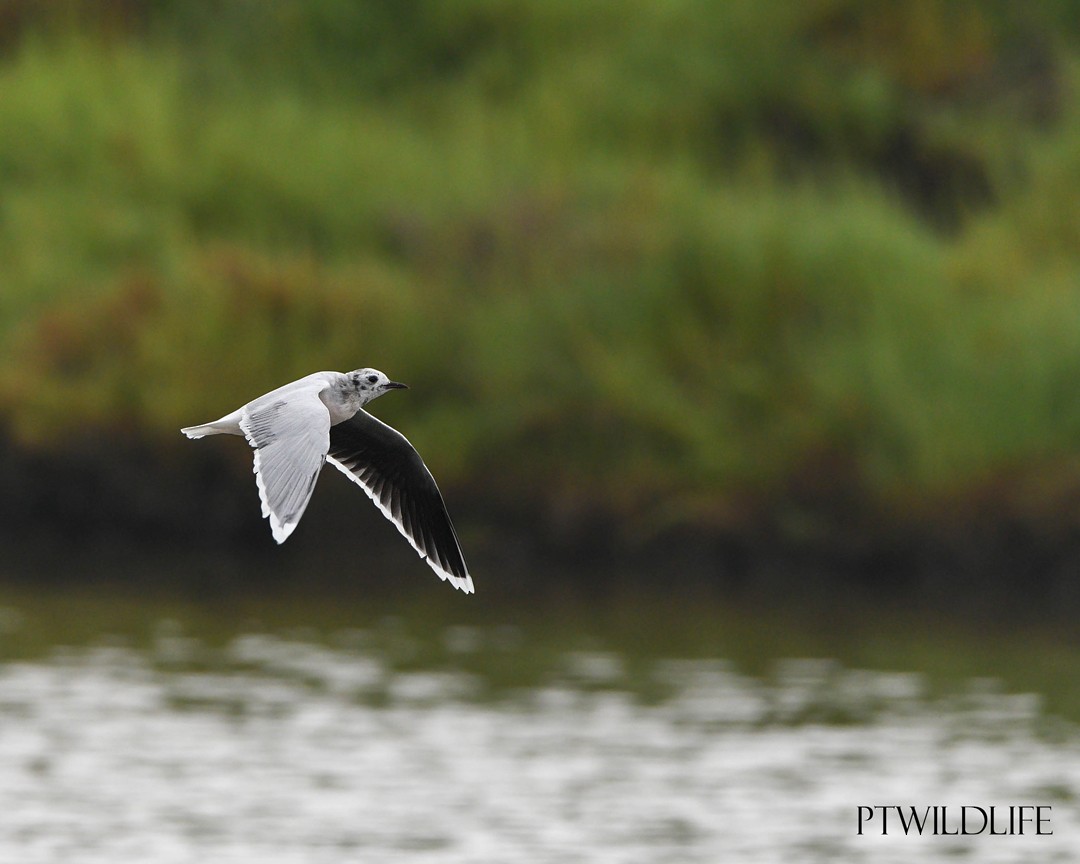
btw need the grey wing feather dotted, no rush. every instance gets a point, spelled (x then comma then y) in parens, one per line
(291, 435)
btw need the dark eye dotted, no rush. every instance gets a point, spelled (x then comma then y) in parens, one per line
(371, 379)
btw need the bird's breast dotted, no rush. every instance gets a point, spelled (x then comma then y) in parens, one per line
(341, 406)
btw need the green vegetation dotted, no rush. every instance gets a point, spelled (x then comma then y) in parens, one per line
(703, 263)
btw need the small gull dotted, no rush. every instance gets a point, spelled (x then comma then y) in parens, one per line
(321, 418)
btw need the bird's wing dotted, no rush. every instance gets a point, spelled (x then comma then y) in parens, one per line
(388, 468)
(290, 431)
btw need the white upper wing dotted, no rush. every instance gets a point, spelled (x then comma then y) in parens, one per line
(290, 431)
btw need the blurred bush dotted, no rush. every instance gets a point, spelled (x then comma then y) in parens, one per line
(683, 263)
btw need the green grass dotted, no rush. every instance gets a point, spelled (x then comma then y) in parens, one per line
(667, 256)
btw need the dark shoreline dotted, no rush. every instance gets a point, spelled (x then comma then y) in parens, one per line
(97, 511)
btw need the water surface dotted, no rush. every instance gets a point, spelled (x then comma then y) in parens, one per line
(325, 747)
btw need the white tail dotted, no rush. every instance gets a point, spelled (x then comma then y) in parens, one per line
(227, 425)
(200, 431)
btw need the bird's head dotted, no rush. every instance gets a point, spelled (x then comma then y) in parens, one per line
(371, 383)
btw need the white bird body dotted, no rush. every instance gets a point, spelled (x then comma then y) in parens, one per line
(319, 418)
(332, 388)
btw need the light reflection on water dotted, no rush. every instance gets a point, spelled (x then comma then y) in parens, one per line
(292, 751)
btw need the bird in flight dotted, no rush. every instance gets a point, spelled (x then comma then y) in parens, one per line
(321, 418)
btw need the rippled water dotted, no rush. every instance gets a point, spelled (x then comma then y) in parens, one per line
(285, 750)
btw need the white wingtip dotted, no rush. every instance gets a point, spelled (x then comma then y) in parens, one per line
(281, 532)
(464, 585)
(194, 431)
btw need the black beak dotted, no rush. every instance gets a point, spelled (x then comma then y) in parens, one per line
(396, 385)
